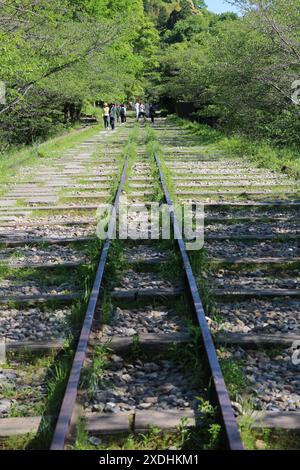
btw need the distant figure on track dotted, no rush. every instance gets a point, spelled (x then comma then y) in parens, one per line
(142, 112)
(147, 110)
(118, 112)
(113, 116)
(137, 110)
(123, 113)
(105, 115)
(152, 113)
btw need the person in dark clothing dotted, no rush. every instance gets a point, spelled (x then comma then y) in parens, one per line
(113, 116)
(123, 113)
(152, 113)
(118, 112)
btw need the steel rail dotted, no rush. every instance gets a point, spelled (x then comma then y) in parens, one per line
(68, 405)
(230, 427)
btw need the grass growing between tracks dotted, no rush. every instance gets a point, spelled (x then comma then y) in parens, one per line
(182, 438)
(60, 276)
(206, 435)
(241, 395)
(187, 357)
(261, 153)
(153, 148)
(42, 383)
(91, 378)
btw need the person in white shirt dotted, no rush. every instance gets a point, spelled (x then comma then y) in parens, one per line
(137, 109)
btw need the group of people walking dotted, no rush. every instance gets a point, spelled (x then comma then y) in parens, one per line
(141, 111)
(114, 113)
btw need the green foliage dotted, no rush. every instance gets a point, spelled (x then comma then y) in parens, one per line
(268, 439)
(16, 442)
(136, 349)
(10, 161)
(92, 376)
(233, 375)
(153, 147)
(213, 62)
(262, 152)
(205, 437)
(81, 440)
(58, 56)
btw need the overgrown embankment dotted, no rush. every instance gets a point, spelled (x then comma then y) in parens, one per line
(260, 152)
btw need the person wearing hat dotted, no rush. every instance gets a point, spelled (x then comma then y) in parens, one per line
(106, 115)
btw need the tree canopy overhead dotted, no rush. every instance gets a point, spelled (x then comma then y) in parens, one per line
(237, 71)
(57, 55)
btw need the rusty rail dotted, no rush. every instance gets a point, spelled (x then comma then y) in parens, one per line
(66, 411)
(230, 427)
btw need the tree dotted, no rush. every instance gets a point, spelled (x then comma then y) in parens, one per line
(58, 54)
(187, 29)
(238, 70)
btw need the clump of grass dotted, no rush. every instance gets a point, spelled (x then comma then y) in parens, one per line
(154, 438)
(92, 375)
(136, 349)
(17, 442)
(190, 356)
(262, 153)
(207, 297)
(81, 440)
(58, 375)
(198, 260)
(234, 376)
(115, 263)
(106, 309)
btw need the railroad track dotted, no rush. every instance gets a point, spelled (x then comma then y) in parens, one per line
(142, 383)
(146, 338)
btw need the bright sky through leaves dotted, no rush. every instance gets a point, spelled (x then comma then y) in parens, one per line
(220, 6)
